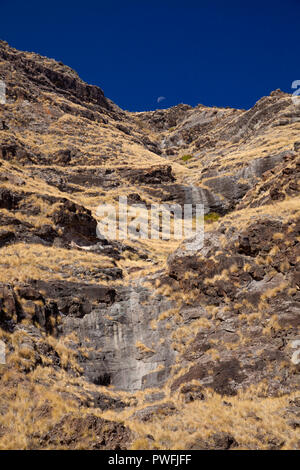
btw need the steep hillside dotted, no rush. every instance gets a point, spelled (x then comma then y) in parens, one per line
(141, 343)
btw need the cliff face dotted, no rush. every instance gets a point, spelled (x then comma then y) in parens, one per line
(144, 331)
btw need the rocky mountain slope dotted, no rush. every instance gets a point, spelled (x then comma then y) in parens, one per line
(136, 344)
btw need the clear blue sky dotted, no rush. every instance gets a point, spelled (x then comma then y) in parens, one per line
(223, 53)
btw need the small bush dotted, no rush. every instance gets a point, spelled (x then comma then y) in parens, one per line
(185, 158)
(211, 217)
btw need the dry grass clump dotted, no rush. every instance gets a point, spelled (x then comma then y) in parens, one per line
(255, 423)
(21, 262)
(143, 348)
(39, 400)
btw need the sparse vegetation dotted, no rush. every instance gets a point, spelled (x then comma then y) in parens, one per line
(212, 328)
(211, 217)
(186, 158)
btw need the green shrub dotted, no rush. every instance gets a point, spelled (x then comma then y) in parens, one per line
(211, 217)
(185, 158)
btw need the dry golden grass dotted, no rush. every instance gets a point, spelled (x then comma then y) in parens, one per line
(21, 262)
(254, 422)
(252, 419)
(46, 395)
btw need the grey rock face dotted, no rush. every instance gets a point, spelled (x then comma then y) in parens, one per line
(126, 351)
(231, 188)
(220, 192)
(211, 201)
